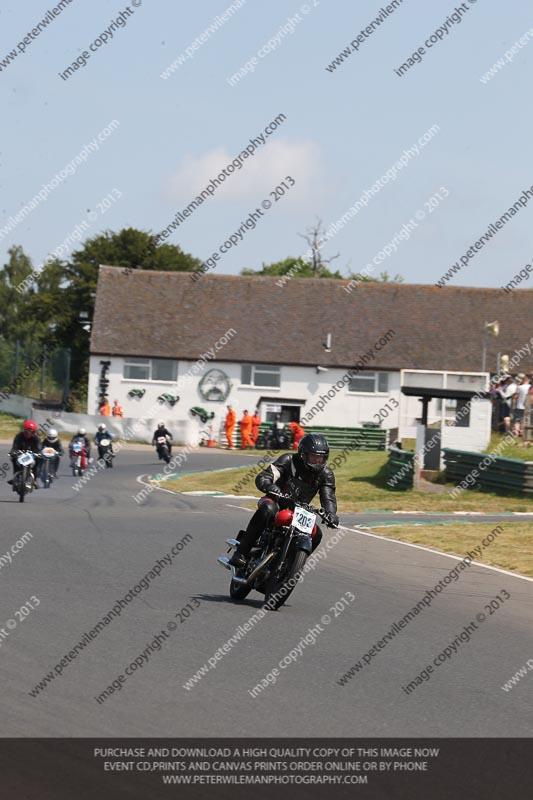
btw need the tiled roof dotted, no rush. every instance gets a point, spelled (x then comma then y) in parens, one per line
(168, 315)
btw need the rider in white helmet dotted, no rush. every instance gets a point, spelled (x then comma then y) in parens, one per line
(81, 436)
(52, 440)
(102, 433)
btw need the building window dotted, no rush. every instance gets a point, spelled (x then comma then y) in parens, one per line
(370, 382)
(162, 370)
(260, 375)
(137, 369)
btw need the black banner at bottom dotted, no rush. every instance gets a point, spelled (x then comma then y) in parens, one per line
(375, 769)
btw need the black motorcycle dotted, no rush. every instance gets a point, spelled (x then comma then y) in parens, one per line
(24, 480)
(277, 560)
(48, 466)
(273, 440)
(162, 449)
(105, 451)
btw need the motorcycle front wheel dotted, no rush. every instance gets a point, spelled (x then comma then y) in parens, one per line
(21, 487)
(277, 591)
(45, 476)
(238, 592)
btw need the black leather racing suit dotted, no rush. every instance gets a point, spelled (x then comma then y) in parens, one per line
(290, 475)
(23, 442)
(163, 432)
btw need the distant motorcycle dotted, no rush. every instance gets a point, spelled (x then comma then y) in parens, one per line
(162, 448)
(78, 458)
(48, 466)
(105, 452)
(277, 560)
(23, 479)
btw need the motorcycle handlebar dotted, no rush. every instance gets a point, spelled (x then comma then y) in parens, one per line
(320, 512)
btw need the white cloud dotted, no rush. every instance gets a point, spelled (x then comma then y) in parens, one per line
(260, 173)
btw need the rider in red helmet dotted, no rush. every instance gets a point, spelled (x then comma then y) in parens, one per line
(26, 439)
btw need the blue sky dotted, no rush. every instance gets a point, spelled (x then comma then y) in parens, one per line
(343, 129)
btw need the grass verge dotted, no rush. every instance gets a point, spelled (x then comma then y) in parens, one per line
(361, 486)
(512, 549)
(9, 425)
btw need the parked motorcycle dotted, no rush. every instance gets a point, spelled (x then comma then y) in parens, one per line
(105, 452)
(48, 466)
(78, 453)
(273, 440)
(162, 448)
(23, 479)
(277, 560)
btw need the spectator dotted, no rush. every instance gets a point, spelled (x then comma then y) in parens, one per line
(117, 410)
(105, 408)
(522, 394)
(256, 422)
(229, 426)
(297, 433)
(246, 428)
(508, 390)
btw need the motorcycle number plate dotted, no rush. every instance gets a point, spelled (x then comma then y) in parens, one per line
(161, 440)
(48, 452)
(76, 447)
(104, 442)
(25, 459)
(303, 520)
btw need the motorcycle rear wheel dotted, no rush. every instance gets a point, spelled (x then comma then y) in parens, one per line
(275, 586)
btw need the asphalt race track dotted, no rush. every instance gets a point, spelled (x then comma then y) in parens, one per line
(90, 547)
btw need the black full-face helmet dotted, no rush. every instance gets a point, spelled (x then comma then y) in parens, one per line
(313, 451)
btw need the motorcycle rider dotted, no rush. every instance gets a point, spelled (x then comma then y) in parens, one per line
(300, 475)
(52, 440)
(103, 433)
(276, 432)
(163, 431)
(82, 438)
(26, 439)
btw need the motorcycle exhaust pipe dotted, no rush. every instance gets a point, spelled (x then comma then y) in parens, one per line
(246, 581)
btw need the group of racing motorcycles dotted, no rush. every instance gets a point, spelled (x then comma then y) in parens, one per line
(35, 459)
(270, 555)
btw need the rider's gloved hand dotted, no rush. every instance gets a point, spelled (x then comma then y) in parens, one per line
(333, 521)
(273, 490)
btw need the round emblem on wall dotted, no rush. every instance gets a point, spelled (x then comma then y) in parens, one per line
(214, 386)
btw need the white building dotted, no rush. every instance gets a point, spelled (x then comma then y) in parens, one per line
(311, 350)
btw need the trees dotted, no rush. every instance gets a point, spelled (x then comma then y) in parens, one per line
(129, 248)
(313, 263)
(293, 266)
(47, 308)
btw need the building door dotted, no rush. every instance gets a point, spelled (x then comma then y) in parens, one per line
(288, 413)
